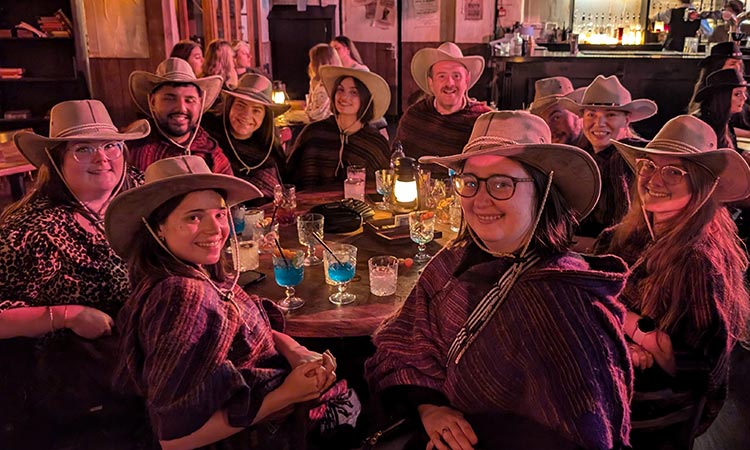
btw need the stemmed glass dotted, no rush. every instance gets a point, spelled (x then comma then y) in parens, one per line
(307, 225)
(289, 270)
(340, 267)
(421, 231)
(384, 184)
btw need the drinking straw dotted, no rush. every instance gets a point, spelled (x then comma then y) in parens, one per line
(326, 247)
(281, 252)
(273, 216)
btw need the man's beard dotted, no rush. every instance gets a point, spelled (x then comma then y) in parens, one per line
(177, 132)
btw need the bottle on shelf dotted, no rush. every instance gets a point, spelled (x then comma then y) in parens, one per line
(516, 45)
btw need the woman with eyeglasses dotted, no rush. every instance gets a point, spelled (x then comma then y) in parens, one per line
(686, 297)
(509, 340)
(61, 285)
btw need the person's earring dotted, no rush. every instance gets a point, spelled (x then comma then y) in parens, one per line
(162, 238)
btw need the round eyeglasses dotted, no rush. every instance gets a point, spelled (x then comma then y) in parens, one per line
(85, 153)
(500, 187)
(669, 174)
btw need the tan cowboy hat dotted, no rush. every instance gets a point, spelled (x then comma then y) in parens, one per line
(75, 121)
(548, 91)
(256, 88)
(166, 179)
(379, 89)
(691, 138)
(425, 58)
(608, 93)
(525, 137)
(171, 70)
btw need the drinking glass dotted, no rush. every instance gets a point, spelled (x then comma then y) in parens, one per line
(252, 217)
(266, 233)
(354, 188)
(421, 231)
(285, 200)
(383, 275)
(355, 172)
(249, 258)
(289, 270)
(340, 269)
(309, 226)
(384, 184)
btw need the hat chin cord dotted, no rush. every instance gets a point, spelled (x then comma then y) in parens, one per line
(650, 226)
(344, 138)
(226, 294)
(529, 236)
(193, 134)
(96, 218)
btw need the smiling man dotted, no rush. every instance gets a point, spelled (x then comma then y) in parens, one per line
(441, 123)
(175, 101)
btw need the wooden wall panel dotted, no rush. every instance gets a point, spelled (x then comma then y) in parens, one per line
(381, 59)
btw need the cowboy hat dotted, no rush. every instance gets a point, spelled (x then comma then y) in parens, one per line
(76, 121)
(608, 93)
(171, 70)
(548, 91)
(722, 50)
(724, 79)
(379, 89)
(525, 137)
(691, 138)
(425, 58)
(256, 88)
(166, 179)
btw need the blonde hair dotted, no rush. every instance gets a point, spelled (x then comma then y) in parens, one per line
(220, 61)
(321, 55)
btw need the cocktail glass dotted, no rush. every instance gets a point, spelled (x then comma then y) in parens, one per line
(289, 271)
(384, 184)
(422, 231)
(340, 269)
(309, 226)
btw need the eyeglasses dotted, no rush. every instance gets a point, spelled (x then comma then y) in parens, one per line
(500, 187)
(669, 174)
(85, 153)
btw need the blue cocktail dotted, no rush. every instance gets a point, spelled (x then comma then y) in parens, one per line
(340, 268)
(289, 271)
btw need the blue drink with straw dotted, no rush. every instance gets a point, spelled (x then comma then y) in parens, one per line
(289, 271)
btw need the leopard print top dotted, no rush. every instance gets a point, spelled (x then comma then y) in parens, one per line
(48, 258)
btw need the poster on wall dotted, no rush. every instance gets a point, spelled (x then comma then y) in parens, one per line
(473, 9)
(385, 14)
(359, 21)
(425, 7)
(116, 29)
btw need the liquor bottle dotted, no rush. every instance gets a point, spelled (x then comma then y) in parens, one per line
(398, 152)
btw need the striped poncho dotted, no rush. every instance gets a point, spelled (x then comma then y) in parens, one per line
(554, 352)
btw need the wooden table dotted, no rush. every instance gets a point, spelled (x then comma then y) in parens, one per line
(319, 318)
(13, 165)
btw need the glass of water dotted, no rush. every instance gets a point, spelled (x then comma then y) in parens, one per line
(422, 231)
(383, 275)
(309, 226)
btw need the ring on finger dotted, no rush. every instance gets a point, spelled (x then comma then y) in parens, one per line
(445, 430)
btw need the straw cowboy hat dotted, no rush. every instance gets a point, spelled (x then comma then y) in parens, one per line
(548, 91)
(725, 79)
(691, 138)
(525, 137)
(171, 70)
(75, 121)
(608, 93)
(379, 89)
(425, 58)
(256, 88)
(166, 179)
(722, 50)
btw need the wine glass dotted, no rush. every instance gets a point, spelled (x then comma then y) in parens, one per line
(340, 267)
(289, 270)
(384, 184)
(308, 226)
(421, 231)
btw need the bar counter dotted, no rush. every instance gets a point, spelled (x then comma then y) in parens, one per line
(664, 77)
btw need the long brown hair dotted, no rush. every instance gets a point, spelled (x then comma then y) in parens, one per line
(704, 225)
(321, 55)
(220, 61)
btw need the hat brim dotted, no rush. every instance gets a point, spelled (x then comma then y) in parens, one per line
(726, 163)
(638, 109)
(705, 90)
(378, 87)
(428, 57)
(575, 172)
(123, 217)
(705, 61)
(143, 83)
(255, 97)
(547, 101)
(32, 145)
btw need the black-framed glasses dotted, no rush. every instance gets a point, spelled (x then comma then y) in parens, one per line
(669, 174)
(85, 153)
(500, 187)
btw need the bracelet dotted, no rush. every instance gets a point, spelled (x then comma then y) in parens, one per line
(51, 319)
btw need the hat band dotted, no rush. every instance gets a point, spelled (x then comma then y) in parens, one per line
(178, 76)
(251, 91)
(79, 129)
(601, 104)
(488, 140)
(674, 146)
